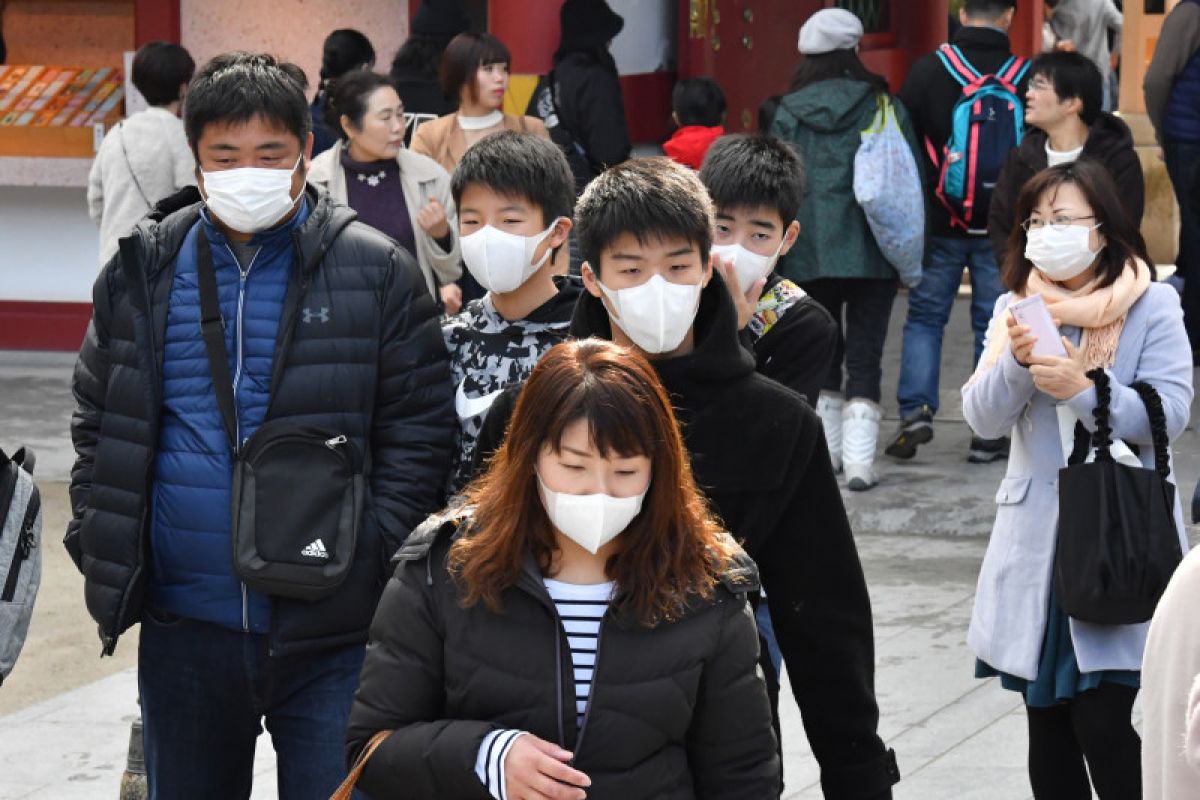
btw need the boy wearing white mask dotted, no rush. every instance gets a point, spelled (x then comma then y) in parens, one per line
(259, 351)
(645, 229)
(514, 192)
(756, 183)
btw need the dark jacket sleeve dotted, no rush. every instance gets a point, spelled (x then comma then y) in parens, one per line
(821, 613)
(402, 689)
(799, 350)
(412, 432)
(1127, 172)
(731, 744)
(89, 384)
(598, 118)
(1003, 205)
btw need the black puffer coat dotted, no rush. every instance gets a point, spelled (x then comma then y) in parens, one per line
(379, 370)
(678, 712)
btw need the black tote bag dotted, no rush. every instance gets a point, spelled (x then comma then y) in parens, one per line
(1117, 540)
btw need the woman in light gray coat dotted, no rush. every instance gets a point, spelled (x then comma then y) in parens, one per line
(1076, 247)
(402, 193)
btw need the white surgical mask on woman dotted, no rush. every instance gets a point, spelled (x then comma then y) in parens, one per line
(1061, 254)
(502, 261)
(250, 199)
(590, 520)
(748, 266)
(657, 314)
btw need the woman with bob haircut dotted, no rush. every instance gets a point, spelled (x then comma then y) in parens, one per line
(580, 627)
(1075, 246)
(474, 69)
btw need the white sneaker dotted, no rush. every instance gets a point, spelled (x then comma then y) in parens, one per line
(860, 436)
(829, 408)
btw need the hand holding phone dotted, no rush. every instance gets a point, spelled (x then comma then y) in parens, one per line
(1033, 314)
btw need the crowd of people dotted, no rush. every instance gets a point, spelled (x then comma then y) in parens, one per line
(546, 440)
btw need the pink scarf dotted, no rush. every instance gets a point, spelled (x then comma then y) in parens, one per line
(1099, 312)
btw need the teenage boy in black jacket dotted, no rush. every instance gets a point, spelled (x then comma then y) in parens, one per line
(929, 94)
(757, 450)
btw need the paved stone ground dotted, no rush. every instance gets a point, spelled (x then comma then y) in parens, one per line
(65, 713)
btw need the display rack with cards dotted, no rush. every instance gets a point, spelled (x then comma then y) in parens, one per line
(56, 110)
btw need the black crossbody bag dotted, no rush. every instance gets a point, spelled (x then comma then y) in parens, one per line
(1117, 541)
(297, 490)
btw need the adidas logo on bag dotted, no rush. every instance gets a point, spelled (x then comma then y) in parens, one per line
(315, 550)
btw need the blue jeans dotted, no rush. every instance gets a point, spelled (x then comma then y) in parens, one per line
(1183, 165)
(205, 690)
(929, 305)
(767, 631)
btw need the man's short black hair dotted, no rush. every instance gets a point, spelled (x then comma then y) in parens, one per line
(698, 101)
(754, 170)
(1072, 75)
(987, 9)
(237, 87)
(160, 69)
(648, 198)
(518, 165)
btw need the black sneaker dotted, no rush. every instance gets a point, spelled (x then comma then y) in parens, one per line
(915, 429)
(985, 451)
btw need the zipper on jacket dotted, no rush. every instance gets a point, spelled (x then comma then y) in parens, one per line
(24, 546)
(243, 278)
(587, 709)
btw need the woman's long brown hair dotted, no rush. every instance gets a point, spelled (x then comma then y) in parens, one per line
(672, 552)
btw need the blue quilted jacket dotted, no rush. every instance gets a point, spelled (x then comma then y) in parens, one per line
(192, 572)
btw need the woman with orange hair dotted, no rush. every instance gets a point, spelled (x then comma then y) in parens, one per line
(579, 628)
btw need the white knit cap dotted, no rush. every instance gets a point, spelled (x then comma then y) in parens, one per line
(830, 29)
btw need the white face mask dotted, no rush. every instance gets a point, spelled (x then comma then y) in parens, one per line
(748, 266)
(590, 520)
(656, 315)
(502, 261)
(250, 199)
(1060, 255)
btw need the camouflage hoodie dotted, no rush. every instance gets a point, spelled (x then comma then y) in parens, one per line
(489, 352)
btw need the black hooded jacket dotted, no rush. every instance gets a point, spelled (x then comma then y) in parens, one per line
(758, 452)
(676, 712)
(1109, 142)
(381, 373)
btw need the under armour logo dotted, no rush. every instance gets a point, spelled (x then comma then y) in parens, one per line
(322, 315)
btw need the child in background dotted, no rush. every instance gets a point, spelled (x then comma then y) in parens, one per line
(514, 193)
(698, 108)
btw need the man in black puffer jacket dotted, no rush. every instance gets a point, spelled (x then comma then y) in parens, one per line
(1063, 110)
(326, 325)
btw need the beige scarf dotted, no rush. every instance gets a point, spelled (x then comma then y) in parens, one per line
(1099, 312)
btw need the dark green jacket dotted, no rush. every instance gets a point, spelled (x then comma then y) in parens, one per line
(824, 122)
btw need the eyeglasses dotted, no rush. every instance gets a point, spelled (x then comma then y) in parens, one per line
(1040, 85)
(1059, 223)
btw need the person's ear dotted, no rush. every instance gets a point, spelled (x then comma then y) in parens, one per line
(962, 16)
(560, 232)
(708, 269)
(675, 119)
(590, 281)
(308, 146)
(790, 234)
(1006, 18)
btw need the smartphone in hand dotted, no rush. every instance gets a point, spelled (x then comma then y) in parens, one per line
(1033, 313)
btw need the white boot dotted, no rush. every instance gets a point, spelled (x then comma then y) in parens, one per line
(829, 408)
(860, 434)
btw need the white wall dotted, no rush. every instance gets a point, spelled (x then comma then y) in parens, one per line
(48, 245)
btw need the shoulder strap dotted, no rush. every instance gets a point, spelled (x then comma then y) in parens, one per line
(346, 790)
(1102, 437)
(956, 64)
(1012, 70)
(212, 328)
(1158, 426)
